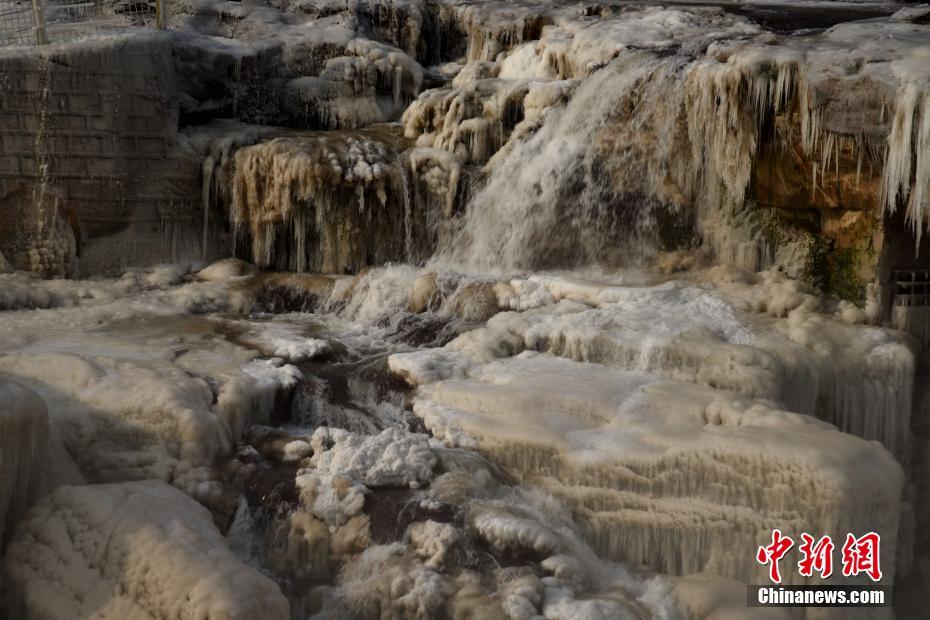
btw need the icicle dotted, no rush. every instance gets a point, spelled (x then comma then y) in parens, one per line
(814, 181)
(205, 195)
(858, 165)
(898, 160)
(398, 85)
(288, 191)
(919, 203)
(408, 216)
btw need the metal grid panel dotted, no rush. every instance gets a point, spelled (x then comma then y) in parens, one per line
(71, 19)
(66, 20)
(912, 287)
(176, 10)
(16, 23)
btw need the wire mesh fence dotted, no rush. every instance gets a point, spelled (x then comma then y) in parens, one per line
(17, 23)
(175, 11)
(35, 22)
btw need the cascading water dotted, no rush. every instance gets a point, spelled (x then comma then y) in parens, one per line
(587, 186)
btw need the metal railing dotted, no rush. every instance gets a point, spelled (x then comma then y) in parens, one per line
(37, 22)
(912, 287)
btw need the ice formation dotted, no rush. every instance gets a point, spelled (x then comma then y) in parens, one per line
(391, 458)
(135, 401)
(431, 572)
(793, 360)
(368, 85)
(434, 542)
(314, 189)
(611, 422)
(282, 340)
(332, 498)
(25, 455)
(589, 385)
(702, 119)
(135, 549)
(625, 448)
(806, 75)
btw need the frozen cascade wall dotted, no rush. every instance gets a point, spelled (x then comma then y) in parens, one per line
(330, 203)
(555, 200)
(703, 89)
(701, 120)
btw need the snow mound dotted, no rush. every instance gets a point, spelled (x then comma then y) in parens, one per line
(333, 498)
(392, 458)
(226, 269)
(434, 542)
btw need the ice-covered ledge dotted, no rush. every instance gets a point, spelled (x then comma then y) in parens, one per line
(675, 476)
(657, 431)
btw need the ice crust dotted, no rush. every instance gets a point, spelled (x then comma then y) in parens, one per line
(135, 400)
(282, 340)
(857, 377)
(621, 445)
(610, 402)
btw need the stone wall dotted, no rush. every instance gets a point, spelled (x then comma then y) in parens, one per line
(91, 180)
